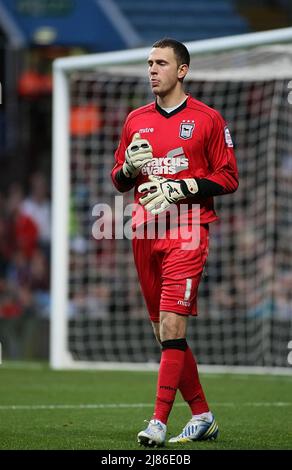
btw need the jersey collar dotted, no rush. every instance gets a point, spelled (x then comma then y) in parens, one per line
(172, 113)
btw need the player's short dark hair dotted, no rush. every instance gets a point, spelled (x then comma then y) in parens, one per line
(180, 51)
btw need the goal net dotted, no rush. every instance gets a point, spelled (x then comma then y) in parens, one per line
(245, 309)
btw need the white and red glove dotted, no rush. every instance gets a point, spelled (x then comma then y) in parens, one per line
(138, 153)
(160, 192)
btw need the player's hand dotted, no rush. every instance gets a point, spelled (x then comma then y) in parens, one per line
(138, 153)
(160, 193)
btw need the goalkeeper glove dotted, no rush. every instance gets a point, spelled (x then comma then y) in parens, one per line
(161, 192)
(137, 154)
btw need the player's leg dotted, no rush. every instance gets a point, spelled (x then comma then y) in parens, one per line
(202, 424)
(182, 274)
(170, 333)
(173, 344)
(149, 274)
(177, 295)
(190, 386)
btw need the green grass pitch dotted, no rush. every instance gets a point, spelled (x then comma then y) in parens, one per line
(44, 409)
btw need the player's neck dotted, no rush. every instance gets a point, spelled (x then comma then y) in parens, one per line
(171, 100)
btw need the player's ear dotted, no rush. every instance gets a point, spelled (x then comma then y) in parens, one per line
(182, 71)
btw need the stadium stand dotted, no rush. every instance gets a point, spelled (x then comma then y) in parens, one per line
(185, 21)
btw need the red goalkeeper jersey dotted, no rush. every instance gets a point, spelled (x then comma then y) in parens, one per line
(192, 141)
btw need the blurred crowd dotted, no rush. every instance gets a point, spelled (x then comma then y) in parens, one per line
(25, 238)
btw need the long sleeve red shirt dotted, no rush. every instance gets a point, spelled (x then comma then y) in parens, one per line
(192, 141)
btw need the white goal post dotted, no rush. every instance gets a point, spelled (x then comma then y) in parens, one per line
(247, 78)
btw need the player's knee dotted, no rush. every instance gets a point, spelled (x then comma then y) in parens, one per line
(172, 326)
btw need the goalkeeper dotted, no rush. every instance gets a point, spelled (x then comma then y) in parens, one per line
(172, 151)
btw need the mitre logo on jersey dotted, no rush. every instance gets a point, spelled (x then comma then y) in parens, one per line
(146, 130)
(174, 162)
(186, 129)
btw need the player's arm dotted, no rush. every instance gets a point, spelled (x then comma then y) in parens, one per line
(222, 161)
(223, 177)
(128, 167)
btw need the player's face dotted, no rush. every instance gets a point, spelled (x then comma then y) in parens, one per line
(164, 71)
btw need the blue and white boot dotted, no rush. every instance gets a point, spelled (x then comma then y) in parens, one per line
(198, 429)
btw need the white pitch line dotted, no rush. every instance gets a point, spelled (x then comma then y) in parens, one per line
(91, 406)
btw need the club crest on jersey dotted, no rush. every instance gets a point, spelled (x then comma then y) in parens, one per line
(186, 129)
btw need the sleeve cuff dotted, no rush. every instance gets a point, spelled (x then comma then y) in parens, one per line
(123, 182)
(208, 188)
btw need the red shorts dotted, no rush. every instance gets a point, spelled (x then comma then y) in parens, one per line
(169, 274)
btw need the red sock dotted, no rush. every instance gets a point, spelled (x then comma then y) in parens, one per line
(190, 386)
(170, 370)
